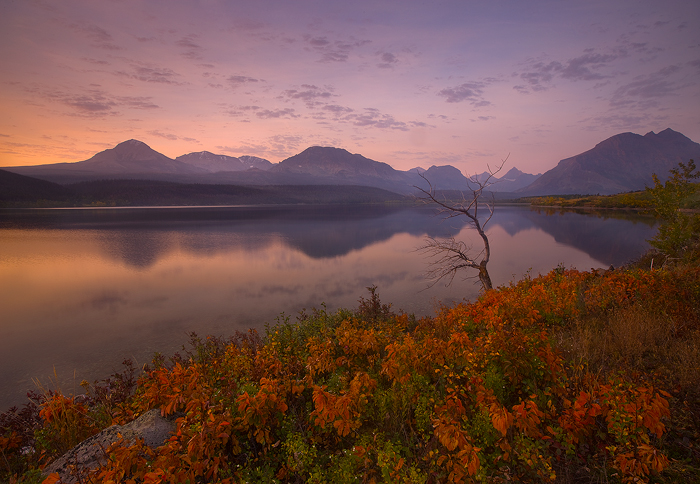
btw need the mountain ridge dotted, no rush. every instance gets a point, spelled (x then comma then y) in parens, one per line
(623, 162)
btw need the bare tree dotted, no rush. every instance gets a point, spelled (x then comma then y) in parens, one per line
(452, 255)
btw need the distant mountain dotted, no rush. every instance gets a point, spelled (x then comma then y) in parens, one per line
(324, 161)
(215, 163)
(445, 177)
(251, 162)
(18, 189)
(131, 158)
(329, 165)
(624, 162)
(513, 180)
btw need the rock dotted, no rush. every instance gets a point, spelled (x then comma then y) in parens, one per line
(90, 453)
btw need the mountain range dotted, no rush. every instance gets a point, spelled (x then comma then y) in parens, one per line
(316, 165)
(624, 162)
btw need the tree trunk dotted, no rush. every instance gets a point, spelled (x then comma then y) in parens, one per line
(484, 276)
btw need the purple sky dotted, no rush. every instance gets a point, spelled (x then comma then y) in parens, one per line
(410, 83)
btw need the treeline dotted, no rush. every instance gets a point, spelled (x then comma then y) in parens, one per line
(641, 200)
(20, 191)
(631, 200)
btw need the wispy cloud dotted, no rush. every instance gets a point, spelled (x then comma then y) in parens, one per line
(539, 75)
(276, 113)
(94, 103)
(622, 122)
(471, 92)
(171, 137)
(98, 62)
(648, 88)
(333, 50)
(312, 95)
(373, 118)
(337, 110)
(191, 49)
(151, 73)
(276, 146)
(387, 60)
(238, 81)
(98, 36)
(240, 111)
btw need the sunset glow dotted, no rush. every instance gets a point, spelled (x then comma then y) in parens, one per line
(408, 83)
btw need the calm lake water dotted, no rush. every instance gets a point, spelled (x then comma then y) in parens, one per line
(82, 289)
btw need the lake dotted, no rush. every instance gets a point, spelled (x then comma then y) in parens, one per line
(82, 289)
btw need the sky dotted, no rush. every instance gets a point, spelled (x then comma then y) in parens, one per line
(409, 83)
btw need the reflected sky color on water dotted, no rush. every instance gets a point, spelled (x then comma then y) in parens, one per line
(81, 290)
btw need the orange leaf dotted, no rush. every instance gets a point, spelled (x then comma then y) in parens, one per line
(52, 478)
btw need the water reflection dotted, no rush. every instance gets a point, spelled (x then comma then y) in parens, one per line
(83, 289)
(611, 237)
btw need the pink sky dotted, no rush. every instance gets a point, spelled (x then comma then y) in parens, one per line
(410, 83)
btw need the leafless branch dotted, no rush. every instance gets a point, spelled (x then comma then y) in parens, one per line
(452, 255)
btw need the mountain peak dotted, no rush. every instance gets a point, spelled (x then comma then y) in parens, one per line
(326, 161)
(513, 173)
(623, 162)
(214, 163)
(132, 143)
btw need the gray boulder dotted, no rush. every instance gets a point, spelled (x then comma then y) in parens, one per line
(90, 453)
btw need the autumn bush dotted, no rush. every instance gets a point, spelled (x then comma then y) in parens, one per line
(567, 377)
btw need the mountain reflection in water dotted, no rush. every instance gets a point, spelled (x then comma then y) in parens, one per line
(83, 289)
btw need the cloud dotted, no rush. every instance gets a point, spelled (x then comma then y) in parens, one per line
(310, 94)
(317, 41)
(333, 51)
(471, 92)
(99, 37)
(539, 75)
(420, 124)
(238, 81)
(582, 68)
(95, 61)
(240, 111)
(387, 60)
(277, 113)
(372, 118)
(365, 118)
(137, 102)
(167, 136)
(192, 49)
(94, 103)
(153, 74)
(277, 146)
(646, 89)
(172, 137)
(336, 109)
(244, 149)
(622, 122)
(286, 144)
